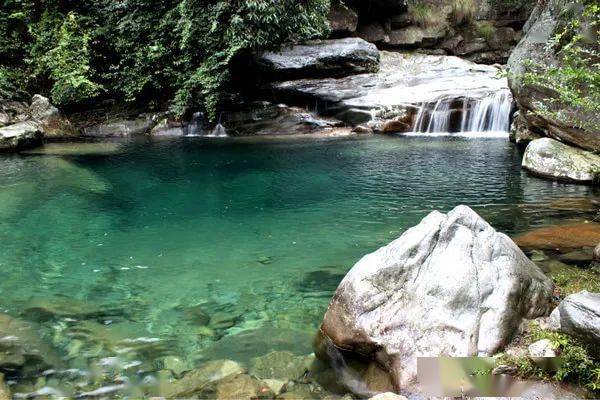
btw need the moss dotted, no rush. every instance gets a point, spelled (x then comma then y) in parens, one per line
(569, 279)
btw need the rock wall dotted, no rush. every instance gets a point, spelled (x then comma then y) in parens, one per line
(548, 19)
(482, 31)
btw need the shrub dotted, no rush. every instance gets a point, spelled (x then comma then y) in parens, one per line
(68, 65)
(485, 30)
(575, 80)
(576, 364)
(424, 15)
(463, 11)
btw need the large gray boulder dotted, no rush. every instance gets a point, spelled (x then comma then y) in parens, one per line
(552, 159)
(450, 286)
(137, 126)
(548, 19)
(19, 136)
(52, 123)
(579, 315)
(318, 58)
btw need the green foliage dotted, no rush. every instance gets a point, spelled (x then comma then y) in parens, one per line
(68, 64)
(12, 83)
(575, 80)
(425, 15)
(577, 364)
(153, 53)
(463, 11)
(486, 30)
(571, 280)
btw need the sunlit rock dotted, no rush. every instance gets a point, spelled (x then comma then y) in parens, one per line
(450, 286)
(579, 316)
(550, 158)
(278, 365)
(21, 135)
(334, 57)
(137, 126)
(194, 382)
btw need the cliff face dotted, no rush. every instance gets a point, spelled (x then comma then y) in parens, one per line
(483, 31)
(540, 76)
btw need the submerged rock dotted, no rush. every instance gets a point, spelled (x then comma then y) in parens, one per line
(579, 315)
(22, 135)
(238, 387)
(550, 158)
(245, 345)
(4, 391)
(318, 58)
(197, 380)
(561, 238)
(450, 286)
(281, 365)
(21, 345)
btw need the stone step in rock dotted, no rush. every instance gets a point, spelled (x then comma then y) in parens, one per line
(318, 58)
(402, 84)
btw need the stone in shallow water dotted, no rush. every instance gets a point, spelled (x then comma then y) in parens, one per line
(77, 149)
(197, 380)
(4, 391)
(246, 345)
(323, 280)
(239, 387)
(550, 158)
(450, 286)
(21, 345)
(561, 238)
(46, 308)
(278, 365)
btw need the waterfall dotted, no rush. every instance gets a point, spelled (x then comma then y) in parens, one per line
(196, 127)
(470, 115)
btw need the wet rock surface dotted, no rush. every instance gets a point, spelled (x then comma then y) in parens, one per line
(552, 159)
(545, 21)
(403, 83)
(139, 125)
(561, 238)
(422, 295)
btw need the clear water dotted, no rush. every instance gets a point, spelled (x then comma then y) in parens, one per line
(256, 234)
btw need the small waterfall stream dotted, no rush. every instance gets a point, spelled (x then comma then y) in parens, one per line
(451, 115)
(197, 127)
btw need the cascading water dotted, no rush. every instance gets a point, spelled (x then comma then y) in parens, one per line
(196, 127)
(488, 114)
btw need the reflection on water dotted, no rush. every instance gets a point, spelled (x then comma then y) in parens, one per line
(134, 266)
